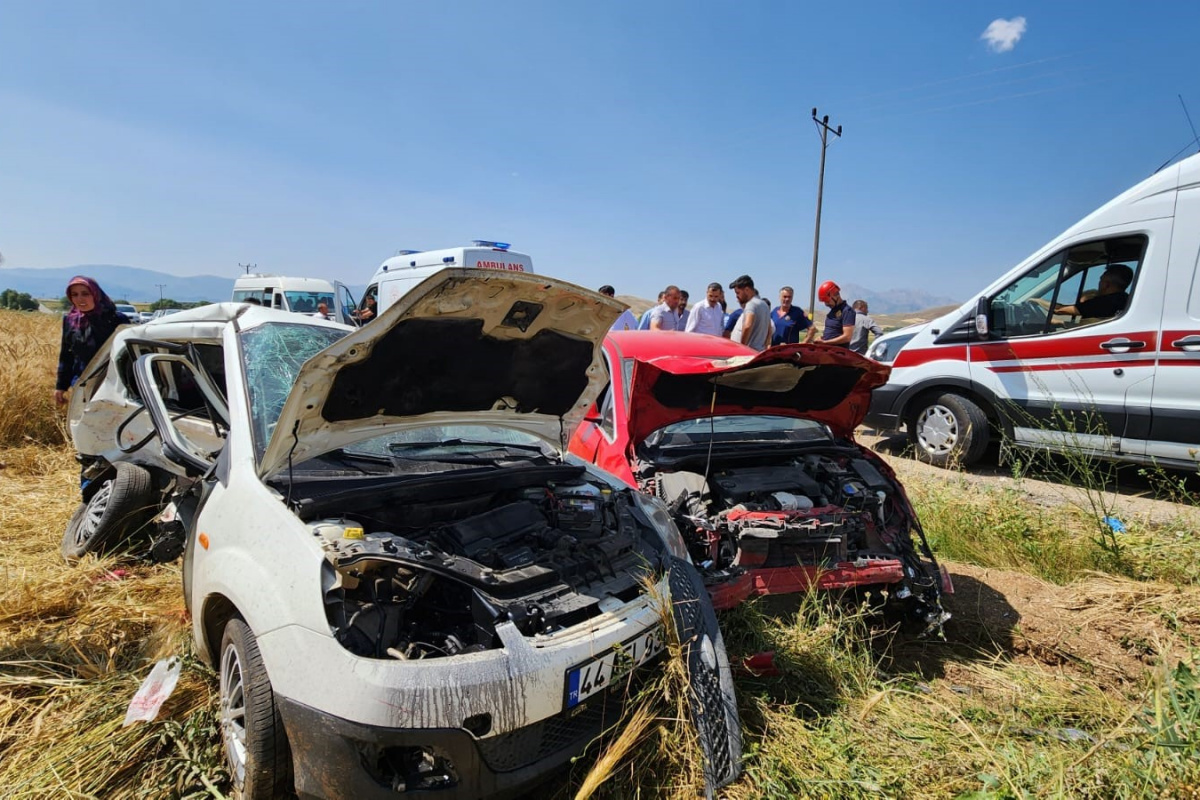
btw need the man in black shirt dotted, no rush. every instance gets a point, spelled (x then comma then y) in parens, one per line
(1109, 301)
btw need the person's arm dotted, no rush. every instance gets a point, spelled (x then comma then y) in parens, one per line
(656, 320)
(690, 325)
(747, 326)
(875, 328)
(62, 380)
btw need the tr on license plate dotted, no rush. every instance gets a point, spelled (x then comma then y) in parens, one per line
(596, 675)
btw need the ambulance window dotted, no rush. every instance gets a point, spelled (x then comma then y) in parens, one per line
(1085, 284)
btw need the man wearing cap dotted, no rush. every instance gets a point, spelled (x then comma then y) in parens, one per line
(754, 327)
(839, 322)
(707, 316)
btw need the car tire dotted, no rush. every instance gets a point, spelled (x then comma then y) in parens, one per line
(256, 746)
(948, 430)
(121, 504)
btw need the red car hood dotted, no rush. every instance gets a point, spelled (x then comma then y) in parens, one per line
(826, 384)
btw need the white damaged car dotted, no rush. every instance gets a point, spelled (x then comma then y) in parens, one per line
(405, 586)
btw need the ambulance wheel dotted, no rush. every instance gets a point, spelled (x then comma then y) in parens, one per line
(948, 430)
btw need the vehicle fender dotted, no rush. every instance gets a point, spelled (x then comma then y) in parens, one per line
(264, 566)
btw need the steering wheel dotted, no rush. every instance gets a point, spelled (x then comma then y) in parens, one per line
(1029, 314)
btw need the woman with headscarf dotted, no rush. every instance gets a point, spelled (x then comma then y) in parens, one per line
(86, 327)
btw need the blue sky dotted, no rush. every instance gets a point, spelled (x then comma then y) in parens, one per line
(628, 143)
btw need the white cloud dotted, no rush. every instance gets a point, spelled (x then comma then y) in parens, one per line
(1002, 35)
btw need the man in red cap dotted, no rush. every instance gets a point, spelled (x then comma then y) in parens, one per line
(839, 322)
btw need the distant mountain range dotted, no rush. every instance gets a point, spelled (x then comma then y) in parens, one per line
(890, 301)
(132, 284)
(120, 283)
(142, 286)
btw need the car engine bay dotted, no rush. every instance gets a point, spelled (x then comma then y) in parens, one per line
(817, 510)
(429, 568)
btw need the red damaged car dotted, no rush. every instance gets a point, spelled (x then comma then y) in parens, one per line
(755, 456)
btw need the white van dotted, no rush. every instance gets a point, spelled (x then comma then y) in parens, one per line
(1038, 360)
(301, 295)
(408, 268)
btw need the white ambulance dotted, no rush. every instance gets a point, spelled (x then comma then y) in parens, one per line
(301, 295)
(1091, 344)
(409, 267)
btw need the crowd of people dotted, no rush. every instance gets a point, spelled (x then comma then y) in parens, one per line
(94, 317)
(754, 323)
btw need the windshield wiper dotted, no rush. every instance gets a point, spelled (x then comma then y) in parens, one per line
(466, 451)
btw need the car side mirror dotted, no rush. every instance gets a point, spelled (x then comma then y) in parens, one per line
(982, 308)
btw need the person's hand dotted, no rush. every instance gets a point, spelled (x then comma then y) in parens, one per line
(60, 397)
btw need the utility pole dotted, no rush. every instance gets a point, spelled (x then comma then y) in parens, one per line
(247, 267)
(160, 286)
(823, 126)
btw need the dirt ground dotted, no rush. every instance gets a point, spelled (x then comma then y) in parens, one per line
(1108, 630)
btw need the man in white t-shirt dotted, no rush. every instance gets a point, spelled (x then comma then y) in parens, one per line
(707, 316)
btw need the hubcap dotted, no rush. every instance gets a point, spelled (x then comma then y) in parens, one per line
(937, 430)
(91, 516)
(233, 713)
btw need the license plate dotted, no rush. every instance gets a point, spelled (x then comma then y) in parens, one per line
(598, 674)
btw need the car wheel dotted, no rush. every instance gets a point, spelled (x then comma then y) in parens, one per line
(122, 504)
(256, 748)
(948, 430)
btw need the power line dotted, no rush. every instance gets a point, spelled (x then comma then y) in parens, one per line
(160, 286)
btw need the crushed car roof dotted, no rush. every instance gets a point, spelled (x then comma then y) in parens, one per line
(465, 345)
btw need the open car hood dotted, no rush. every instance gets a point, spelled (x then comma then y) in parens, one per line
(464, 346)
(826, 384)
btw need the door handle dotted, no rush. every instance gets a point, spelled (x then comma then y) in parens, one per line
(1188, 343)
(1122, 345)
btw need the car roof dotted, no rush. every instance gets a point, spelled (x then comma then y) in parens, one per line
(654, 344)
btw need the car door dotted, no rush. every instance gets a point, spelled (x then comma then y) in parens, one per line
(344, 303)
(1174, 431)
(1069, 381)
(602, 437)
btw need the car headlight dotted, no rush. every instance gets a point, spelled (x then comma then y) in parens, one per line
(653, 508)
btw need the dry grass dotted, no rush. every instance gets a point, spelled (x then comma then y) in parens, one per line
(28, 360)
(75, 644)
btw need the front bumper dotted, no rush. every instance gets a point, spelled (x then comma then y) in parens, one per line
(334, 757)
(791, 580)
(885, 413)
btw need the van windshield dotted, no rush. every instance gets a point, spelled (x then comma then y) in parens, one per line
(308, 301)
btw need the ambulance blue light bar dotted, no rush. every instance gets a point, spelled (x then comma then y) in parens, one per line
(493, 245)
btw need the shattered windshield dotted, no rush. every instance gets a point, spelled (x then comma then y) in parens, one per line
(739, 429)
(273, 356)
